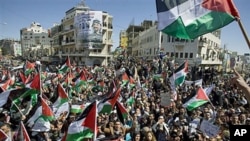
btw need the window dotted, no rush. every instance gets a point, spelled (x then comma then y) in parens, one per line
(181, 55)
(176, 55)
(191, 55)
(172, 54)
(186, 55)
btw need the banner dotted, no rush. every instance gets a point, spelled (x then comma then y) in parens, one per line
(88, 29)
(209, 129)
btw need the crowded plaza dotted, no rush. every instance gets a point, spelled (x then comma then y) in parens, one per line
(130, 99)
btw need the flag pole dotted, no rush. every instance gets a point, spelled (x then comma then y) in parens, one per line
(39, 72)
(19, 110)
(243, 32)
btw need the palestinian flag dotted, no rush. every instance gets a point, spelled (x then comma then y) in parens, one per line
(6, 85)
(24, 79)
(66, 66)
(47, 113)
(131, 100)
(35, 83)
(62, 96)
(80, 80)
(3, 136)
(125, 79)
(76, 109)
(178, 77)
(121, 112)
(107, 105)
(199, 99)
(188, 19)
(85, 126)
(30, 93)
(40, 120)
(4, 96)
(28, 67)
(68, 79)
(61, 105)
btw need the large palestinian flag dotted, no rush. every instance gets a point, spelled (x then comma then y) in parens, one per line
(85, 126)
(107, 105)
(199, 99)
(188, 19)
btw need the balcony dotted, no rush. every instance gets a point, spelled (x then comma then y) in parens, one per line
(108, 42)
(202, 44)
(98, 54)
(68, 30)
(71, 42)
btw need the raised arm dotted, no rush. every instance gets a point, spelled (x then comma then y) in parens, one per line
(239, 81)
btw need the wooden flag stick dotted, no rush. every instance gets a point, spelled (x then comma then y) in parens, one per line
(19, 110)
(244, 32)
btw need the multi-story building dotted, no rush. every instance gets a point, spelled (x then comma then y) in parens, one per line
(10, 47)
(123, 39)
(85, 35)
(35, 41)
(203, 51)
(17, 49)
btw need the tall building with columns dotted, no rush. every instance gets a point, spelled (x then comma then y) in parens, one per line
(85, 35)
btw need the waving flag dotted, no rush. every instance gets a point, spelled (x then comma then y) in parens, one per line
(61, 105)
(24, 79)
(35, 84)
(4, 86)
(76, 109)
(47, 113)
(80, 81)
(29, 93)
(40, 120)
(199, 99)
(66, 66)
(121, 112)
(188, 19)
(85, 126)
(62, 96)
(125, 79)
(5, 95)
(29, 67)
(108, 104)
(179, 75)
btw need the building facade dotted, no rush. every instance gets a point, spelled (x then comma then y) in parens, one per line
(85, 35)
(123, 39)
(35, 41)
(16, 48)
(204, 51)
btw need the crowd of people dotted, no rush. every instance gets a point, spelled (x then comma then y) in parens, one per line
(147, 119)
